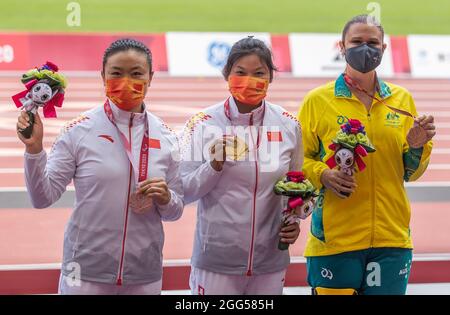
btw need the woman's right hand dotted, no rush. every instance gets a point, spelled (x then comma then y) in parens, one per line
(338, 182)
(34, 143)
(218, 154)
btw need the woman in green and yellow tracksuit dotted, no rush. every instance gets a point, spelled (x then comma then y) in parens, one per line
(361, 243)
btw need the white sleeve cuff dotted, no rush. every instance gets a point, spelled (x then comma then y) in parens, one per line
(170, 204)
(31, 156)
(211, 171)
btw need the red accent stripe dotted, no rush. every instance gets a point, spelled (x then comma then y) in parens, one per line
(250, 263)
(119, 278)
(400, 54)
(250, 267)
(281, 52)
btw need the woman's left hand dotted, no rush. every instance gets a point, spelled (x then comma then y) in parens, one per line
(289, 234)
(418, 138)
(157, 189)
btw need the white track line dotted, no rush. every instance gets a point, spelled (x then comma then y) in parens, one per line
(439, 167)
(442, 125)
(24, 189)
(440, 151)
(186, 262)
(428, 184)
(90, 105)
(14, 139)
(9, 152)
(5, 170)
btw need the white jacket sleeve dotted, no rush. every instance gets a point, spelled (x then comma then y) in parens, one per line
(47, 179)
(174, 209)
(297, 158)
(198, 176)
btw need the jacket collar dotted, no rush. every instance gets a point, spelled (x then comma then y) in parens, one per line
(241, 119)
(341, 89)
(122, 117)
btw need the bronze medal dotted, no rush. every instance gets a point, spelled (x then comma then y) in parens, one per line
(140, 203)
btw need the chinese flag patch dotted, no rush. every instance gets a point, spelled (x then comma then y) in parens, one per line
(274, 136)
(154, 143)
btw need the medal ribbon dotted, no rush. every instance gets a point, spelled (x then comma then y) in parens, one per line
(350, 83)
(141, 173)
(226, 107)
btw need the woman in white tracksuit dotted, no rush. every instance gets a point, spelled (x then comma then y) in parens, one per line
(232, 155)
(122, 160)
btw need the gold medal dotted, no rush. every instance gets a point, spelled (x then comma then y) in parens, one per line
(236, 149)
(140, 203)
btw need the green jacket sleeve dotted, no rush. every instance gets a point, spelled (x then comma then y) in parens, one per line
(415, 160)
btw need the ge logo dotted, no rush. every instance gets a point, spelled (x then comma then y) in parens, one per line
(326, 273)
(218, 54)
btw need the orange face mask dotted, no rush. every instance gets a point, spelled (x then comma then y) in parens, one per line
(248, 90)
(126, 93)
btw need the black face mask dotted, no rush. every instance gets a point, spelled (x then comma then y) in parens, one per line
(363, 58)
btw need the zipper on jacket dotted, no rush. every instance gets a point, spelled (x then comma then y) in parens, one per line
(119, 277)
(250, 259)
(372, 197)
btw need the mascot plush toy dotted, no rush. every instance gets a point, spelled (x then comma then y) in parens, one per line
(350, 145)
(298, 192)
(44, 88)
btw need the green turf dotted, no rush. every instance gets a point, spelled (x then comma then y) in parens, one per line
(276, 16)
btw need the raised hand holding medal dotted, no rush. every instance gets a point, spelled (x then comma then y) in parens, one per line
(153, 189)
(423, 129)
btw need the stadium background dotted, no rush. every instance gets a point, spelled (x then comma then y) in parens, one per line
(190, 40)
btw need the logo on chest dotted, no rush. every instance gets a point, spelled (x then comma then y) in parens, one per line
(341, 119)
(107, 137)
(392, 119)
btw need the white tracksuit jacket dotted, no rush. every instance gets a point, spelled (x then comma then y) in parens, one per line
(238, 217)
(111, 243)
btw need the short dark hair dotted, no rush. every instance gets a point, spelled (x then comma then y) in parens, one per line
(125, 44)
(363, 19)
(249, 46)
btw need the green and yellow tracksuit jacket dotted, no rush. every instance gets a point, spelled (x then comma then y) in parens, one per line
(378, 213)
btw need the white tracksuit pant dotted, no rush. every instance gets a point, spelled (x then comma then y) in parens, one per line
(203, 282)
(67, 287)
